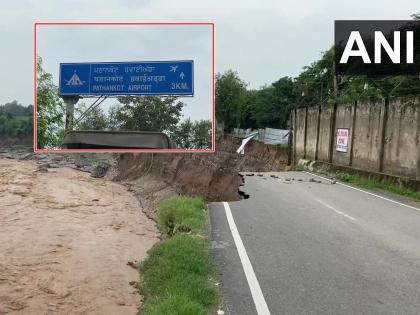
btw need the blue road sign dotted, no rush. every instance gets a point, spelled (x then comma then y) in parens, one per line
(127, 78)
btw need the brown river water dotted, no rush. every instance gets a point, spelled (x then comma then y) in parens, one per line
(65, 240)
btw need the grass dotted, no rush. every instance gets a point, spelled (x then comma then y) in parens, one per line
(377, 185)
(182, 214)
(299, 168)
(177, 277)
(283, 146)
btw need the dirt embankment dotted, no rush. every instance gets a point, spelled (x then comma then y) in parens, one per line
(258, 157)
(212, 176)
(66, 239)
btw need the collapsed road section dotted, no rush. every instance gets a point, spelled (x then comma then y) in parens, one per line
(213, 177)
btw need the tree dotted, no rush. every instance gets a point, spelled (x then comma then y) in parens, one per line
(16, 121)
(271, 105)
(315, 84)
(229, 96)
(415, 16)
(147, 113)
(50, 109)
(201, 134)
(16, 109)
(193, 135)
(95, 119)
(182, 135)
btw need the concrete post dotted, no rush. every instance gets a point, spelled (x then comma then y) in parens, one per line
(332, 133)
(352, 130)
(418, 145)
(290, 140)
(70, 101)
(383, 137)
(318, 125)
(305, 136)
(294, 135)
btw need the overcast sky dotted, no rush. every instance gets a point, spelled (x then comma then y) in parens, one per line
(262, 40)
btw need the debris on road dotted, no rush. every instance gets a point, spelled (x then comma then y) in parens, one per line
(313, 180)
(243, 195)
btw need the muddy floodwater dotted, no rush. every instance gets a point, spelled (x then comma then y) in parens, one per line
(65, 240)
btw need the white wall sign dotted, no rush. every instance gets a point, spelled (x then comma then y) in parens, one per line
(342, 139)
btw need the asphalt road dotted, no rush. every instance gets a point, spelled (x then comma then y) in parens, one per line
(316, 248)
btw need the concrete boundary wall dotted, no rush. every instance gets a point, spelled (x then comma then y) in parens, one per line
(381, 136)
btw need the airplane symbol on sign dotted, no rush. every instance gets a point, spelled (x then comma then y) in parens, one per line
(173, 68)
(182, 75)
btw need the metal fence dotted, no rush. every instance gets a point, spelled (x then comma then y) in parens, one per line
(267, 135)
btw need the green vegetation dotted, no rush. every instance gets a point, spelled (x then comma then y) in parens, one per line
(270, 106)
(377, 185)
(176, 278)
(50, 110)
(16, 120)
(182, 214)
(299, 168)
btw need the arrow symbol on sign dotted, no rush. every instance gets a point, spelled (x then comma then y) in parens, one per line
(182, 75)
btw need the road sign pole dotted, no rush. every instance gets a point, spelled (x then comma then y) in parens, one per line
(70, 101)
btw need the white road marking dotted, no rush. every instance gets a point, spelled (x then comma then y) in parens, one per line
(254, 286)
(335, 210)
(367, 192)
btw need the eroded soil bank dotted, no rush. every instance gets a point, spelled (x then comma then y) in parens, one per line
(211, 176)
(66, 239)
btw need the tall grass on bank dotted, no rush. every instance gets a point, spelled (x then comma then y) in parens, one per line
(178, 276)
(182, 214)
